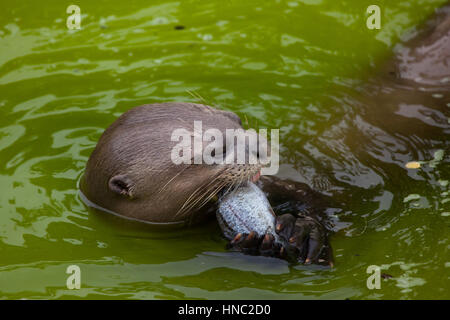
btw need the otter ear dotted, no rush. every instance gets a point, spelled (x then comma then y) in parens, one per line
(121, 184)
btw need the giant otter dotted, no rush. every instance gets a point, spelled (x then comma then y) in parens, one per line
(131, 173)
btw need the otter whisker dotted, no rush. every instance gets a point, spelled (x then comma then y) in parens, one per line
(197, 96)
(211, 194)
(189, 203)
(168, 182)
(221, 182)
(202, 195)
(199, 201)
(204, 191)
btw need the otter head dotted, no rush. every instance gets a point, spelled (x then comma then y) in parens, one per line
(135, 169)
(424, 59)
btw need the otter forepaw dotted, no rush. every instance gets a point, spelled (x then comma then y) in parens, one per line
(247, 243)
(269, 247)
(306, 239)
(256, 245)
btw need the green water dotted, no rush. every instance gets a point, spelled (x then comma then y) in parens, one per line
(293, 65)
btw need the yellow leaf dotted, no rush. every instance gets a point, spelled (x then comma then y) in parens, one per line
(413, 165)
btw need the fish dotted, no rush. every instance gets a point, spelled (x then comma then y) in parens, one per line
(246, 209)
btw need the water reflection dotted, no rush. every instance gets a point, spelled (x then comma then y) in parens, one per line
(347, 130)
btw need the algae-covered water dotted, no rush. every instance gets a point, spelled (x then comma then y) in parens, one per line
(294, 65)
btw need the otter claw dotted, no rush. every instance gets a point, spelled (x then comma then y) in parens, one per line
(267, 242)
(236, 238)
(251, 241)
(306, 241)
(268, 247)
(251, 235)
(253, 244)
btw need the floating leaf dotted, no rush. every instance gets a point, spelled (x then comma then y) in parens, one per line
(413, 165)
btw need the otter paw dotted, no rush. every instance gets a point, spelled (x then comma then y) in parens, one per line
(306, 239)
(247, 243)
(255, 245)
(269, 247)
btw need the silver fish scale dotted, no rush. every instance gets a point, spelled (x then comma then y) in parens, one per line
(244, 210)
